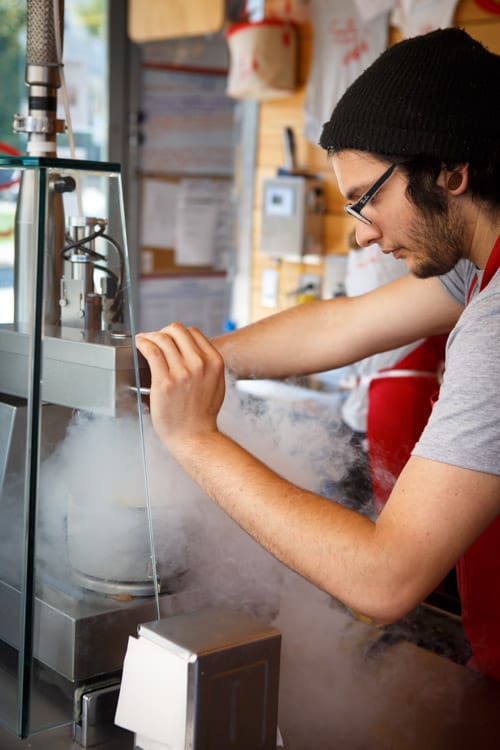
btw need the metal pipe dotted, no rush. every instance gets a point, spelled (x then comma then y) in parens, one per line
(42, 76)
(41, 125)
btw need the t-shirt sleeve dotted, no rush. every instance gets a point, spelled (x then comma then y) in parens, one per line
(457, 281)
(464, 427)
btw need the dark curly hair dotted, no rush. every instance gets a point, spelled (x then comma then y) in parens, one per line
(422, 172)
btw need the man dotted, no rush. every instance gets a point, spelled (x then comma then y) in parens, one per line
(415, 147)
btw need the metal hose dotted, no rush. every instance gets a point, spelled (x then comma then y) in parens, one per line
(41, 47)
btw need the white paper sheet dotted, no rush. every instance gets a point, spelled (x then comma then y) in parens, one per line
(269, 288)
(201, 301)
(204, 223)
(159, 211)
(153, 694)
(195, 241)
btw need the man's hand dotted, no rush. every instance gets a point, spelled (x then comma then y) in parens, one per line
(187, 383)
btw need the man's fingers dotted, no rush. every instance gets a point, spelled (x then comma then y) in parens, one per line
(154, 350)
(170, 354)
(179, 347)
(194, 347)
(204, 344)
(185, 338)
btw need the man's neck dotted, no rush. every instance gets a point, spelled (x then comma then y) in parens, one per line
(486, 230)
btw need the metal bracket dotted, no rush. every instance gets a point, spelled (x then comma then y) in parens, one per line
(96, 724)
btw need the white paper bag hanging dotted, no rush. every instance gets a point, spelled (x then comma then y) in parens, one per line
(263, 59)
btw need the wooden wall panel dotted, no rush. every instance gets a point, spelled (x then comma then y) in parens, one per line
(468, 10)
(488, 33)
(277, 114)
(157, 20)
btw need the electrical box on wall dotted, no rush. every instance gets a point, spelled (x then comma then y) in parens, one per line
(292, 224)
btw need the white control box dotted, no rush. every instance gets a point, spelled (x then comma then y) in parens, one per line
(293, 210)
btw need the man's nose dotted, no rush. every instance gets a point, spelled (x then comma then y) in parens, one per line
(367, 234)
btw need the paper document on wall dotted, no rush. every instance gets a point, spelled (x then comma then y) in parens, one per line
(204, 223)
(195, 243)
(269, 287)
(159, 211)
(201, 301)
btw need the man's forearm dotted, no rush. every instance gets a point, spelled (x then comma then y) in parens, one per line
(298, 341)
(326, 334)
(333, 547)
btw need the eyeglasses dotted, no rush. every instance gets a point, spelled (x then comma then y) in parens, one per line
(355, 209)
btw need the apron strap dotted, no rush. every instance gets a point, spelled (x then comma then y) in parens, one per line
(492, 266)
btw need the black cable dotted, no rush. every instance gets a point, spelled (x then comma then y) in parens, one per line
(119, 250)
(81, 242)
(106, 270)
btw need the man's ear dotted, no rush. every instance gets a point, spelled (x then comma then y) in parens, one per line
(457, 179)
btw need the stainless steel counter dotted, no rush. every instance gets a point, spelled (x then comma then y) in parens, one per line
(408, 699)
(60, 739)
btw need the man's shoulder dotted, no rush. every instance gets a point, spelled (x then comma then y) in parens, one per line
(458, 281)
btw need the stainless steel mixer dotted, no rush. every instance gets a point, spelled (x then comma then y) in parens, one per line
(68, 604)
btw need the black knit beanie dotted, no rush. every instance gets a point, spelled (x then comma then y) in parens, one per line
(435, 95)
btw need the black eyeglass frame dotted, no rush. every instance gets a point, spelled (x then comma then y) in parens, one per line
(354, 209)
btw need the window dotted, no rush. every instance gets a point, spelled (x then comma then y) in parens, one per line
(85, 56)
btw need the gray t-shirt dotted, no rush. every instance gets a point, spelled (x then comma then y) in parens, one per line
(464, 427)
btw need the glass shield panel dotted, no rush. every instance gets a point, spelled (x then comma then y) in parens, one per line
(14, 407)
(88, 574)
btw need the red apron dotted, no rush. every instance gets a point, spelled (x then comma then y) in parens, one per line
(399, 405)
(478, 571)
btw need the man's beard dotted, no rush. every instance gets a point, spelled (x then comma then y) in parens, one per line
(438, 243)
